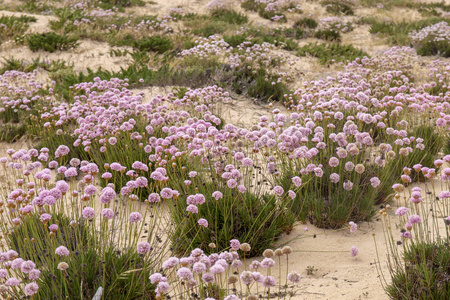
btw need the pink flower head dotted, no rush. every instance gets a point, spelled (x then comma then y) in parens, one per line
(192, 209)
(88, 213)
(143, 248)
(401, 211)
(297, 181)
(202, 222)
(235, 244)
(294, 277)
(135, 217)
(217, 195)
(414, 219)
(62, 251)
(107, 213)
(278, 190)
(353, 226)
(354, 251)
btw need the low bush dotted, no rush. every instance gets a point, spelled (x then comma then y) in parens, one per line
(398, 33)
(230, 16)
(338, 7)
(50, 42)
(328, 35)
(159, 44)
(306, 23)
(257, 219)
(11, 26)
(330, 53)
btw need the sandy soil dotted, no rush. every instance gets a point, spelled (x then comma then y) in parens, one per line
(338, 275)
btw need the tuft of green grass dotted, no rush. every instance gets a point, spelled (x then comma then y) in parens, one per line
(109, 4)
(398, 33)
(423, 274)
(430, 48)
(11, 26)
(329, 53)
(50, 42)
(306, 23)
(159, 44)
(11, 133)
(230, 16)
(338, 7)
(328, 35)
(255, 219)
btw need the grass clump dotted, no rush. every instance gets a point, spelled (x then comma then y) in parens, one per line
(330, 53)
(306, 23)
(50, 42)
(11, 26)
(109, 4)
(398, 33)
(328, 35)
(424, 273)
(338, 7)
(159, 44)
(259, 84)
(230, 16)
(250, 218)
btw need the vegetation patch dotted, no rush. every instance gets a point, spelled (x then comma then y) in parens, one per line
(331, 53)
(51, 42)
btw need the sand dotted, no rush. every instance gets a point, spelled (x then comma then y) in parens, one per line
(338, 275)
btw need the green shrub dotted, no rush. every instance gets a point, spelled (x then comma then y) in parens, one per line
(230, 16)
(254, 219)
(250, 5)
(258, 85)
(329, 53)
(328, 35)
(109, 4)
(89, 267)
(338, 7)
(398, 33)
(159, 44)
(11, 26)
(423, 274)
(235, 40)
(12, 132)
(430, 48)
(306, 23)
(50, 42)
(270, 14)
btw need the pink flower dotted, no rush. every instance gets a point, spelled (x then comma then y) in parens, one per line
(134, 217)
(354, 251)
(375, 182)
(62, 251)
(31, 289)
(107, 213)
(268, 281)
(235, 244)
(401, 211)
(192, 209)
(88, 213)
(184, 273)
(414, 219)
(202, 222)
(278, 190)
(294, 277)
(143, 247)
(297, 181)
(353, 226)
(217, 195)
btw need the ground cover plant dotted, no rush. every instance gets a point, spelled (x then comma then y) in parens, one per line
(140, 179)
(11, 26)
(330, 53)
(50, 42)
